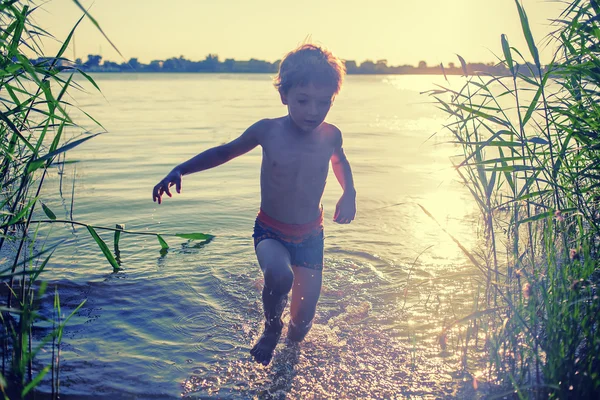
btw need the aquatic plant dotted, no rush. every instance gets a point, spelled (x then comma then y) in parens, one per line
(530, 158)
(33, 126)
(36, 131)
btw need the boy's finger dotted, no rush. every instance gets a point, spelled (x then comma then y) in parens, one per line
(344, 219)
(178, 186)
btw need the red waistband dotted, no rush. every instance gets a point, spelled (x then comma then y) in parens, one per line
(291, 230)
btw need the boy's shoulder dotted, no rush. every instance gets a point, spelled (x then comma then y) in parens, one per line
(331, 129)
(266, 125)
(269, 128)
(333, 133)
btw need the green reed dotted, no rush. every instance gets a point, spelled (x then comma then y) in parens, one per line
(530, 158)
(34, 124)
(36, 131)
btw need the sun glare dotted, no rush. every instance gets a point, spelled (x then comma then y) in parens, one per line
(452, 212)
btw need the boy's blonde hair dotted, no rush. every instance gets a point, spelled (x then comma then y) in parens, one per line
(310, 64)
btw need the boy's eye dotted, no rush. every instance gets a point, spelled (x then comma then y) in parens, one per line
(301, 101)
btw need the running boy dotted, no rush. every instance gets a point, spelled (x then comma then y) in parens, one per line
(297, 149)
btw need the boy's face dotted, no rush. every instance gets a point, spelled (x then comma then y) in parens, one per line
(308, 105)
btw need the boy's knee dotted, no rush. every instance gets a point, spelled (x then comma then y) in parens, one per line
(280, 279)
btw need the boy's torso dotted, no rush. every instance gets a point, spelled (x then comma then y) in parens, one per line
(294, 171)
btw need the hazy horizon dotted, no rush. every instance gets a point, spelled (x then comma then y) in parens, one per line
(456, 62)
(402, 34)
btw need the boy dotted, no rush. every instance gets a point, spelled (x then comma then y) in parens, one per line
(297, 149)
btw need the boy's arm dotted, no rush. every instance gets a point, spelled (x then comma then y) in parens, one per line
(345, 210)
(210, 158)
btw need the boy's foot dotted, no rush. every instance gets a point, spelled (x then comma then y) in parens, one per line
(263, 349)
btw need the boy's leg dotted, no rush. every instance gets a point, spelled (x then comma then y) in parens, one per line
(305, 295)
(274, 261)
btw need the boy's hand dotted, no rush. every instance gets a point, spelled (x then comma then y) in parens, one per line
(173, 178)
(345, 210)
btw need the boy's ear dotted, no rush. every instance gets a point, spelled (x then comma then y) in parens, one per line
(284, 99)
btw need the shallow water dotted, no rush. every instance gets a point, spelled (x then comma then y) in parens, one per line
(181, 324)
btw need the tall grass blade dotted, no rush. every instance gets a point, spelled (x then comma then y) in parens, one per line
(37, 163)
(463, 64)
(17, 218)
(486, 116)
(36, 381)
(163, 243)
(534, 102)
(463, 248)
(90, 79)
(537, 217)
(16, 131)
(195, 236)
(444, 72)
(508, 55)
(41, 268)
(48, 212)
(528, 35)
(87, 14)
(18, 31)
(118, 229)
(65, 44)
(104, 248)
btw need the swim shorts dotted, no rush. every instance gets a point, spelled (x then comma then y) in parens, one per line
(303, 241)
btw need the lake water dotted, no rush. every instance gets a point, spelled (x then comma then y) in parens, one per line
(181, 324)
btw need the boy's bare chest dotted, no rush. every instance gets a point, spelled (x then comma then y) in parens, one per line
(296, 160)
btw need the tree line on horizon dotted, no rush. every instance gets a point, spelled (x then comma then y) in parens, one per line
(212, 64)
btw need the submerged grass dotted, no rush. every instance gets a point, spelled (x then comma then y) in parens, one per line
(531, 159)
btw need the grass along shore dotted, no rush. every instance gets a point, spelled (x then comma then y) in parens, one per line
(531, 159)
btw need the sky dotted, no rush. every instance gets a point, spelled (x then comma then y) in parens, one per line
(399, 31)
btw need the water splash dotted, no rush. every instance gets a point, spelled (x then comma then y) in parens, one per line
(345, 357)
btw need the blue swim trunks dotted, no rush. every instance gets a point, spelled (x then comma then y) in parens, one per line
(304, 242)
